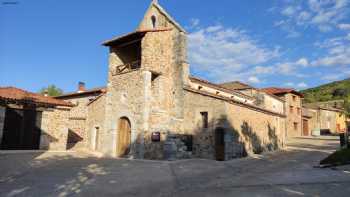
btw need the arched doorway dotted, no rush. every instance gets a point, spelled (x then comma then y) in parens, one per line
(123, 137)
(220, 144)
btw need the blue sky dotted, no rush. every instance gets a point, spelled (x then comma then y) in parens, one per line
(295, 43)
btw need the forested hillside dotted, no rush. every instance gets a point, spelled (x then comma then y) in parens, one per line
(331, 91)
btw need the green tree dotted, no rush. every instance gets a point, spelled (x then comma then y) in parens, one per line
(51, 90)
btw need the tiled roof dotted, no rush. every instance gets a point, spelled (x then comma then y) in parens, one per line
(236, 85)
(279, 91)
(12, 94)
(131, 36)
(84, 93)
(216, 86)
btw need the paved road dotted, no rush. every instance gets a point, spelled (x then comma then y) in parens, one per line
(286, 173)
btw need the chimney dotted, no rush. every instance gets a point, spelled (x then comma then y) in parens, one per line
(81, 87)
(46, 93)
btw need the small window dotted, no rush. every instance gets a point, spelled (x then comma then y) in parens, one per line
(291, 109)
(154, 76)
(298, 110)
(294, 98)
(295, 124)
(204, 119)
(154, 21)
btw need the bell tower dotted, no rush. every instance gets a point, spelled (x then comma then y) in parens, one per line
(147, 72)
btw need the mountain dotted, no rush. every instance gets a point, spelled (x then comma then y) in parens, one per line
(331, 91)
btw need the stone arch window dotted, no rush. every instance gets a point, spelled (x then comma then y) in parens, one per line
(154, 21)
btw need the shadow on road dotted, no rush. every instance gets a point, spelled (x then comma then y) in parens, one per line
(281, 173)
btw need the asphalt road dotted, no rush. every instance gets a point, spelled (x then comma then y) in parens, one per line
(290, 172)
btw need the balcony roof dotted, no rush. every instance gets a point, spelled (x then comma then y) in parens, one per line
(136, 35)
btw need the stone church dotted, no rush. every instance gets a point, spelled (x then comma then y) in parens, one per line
(152, 108)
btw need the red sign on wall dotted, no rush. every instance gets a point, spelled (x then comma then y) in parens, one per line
(155, 137)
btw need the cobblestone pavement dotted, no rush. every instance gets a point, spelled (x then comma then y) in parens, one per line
(291, 172)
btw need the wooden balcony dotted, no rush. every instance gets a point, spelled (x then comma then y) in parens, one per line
(128, 67)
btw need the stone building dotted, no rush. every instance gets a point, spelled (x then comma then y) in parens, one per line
(31, 121)
(152, 108)
(323, 118)
(78, 114)
(293, 108)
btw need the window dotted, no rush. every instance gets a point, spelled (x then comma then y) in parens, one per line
(154, 21)
(295, 124)
(291, 109)
(298, 110)
(204, 119)
(294, 98)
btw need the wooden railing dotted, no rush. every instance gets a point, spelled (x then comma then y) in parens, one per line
(128, 67)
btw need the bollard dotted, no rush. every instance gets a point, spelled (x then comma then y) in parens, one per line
(342, 140)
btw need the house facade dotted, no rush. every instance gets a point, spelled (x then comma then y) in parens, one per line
(293, 108)
(152, 108)
(324, 117)
(78, 114)
(30, 121)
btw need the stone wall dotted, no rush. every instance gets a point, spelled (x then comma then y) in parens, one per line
(293, 117)
(77, 121)
(341, 121)
(2, 121)
(127, 96)
(246, 130)
(95, 121)
(54, 128)
(151, 97)
(328, 120)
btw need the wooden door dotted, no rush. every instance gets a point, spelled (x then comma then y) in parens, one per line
(305, 127)
(220, 144)
(11, 138)
(124, 137)
(20, 131)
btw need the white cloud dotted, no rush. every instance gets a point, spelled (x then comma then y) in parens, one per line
(302, 85)
(213, 28)
(334, 60)
(223, 52)
(253, 79)
(302, 62)
(285, 68)
(344, 26)
(322, 14)
(194, 22)
(337, 54)
(337, 74)
(289, 11)
(289, 84)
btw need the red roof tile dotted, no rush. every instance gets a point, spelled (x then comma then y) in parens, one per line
(89, 92)
(279, 91)
(131, 36)
(16, 94)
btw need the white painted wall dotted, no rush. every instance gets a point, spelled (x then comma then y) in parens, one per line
(221, 93)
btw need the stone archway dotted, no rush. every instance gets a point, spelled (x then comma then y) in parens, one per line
(123, 137)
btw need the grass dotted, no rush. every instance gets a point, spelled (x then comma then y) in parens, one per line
(339, 157)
